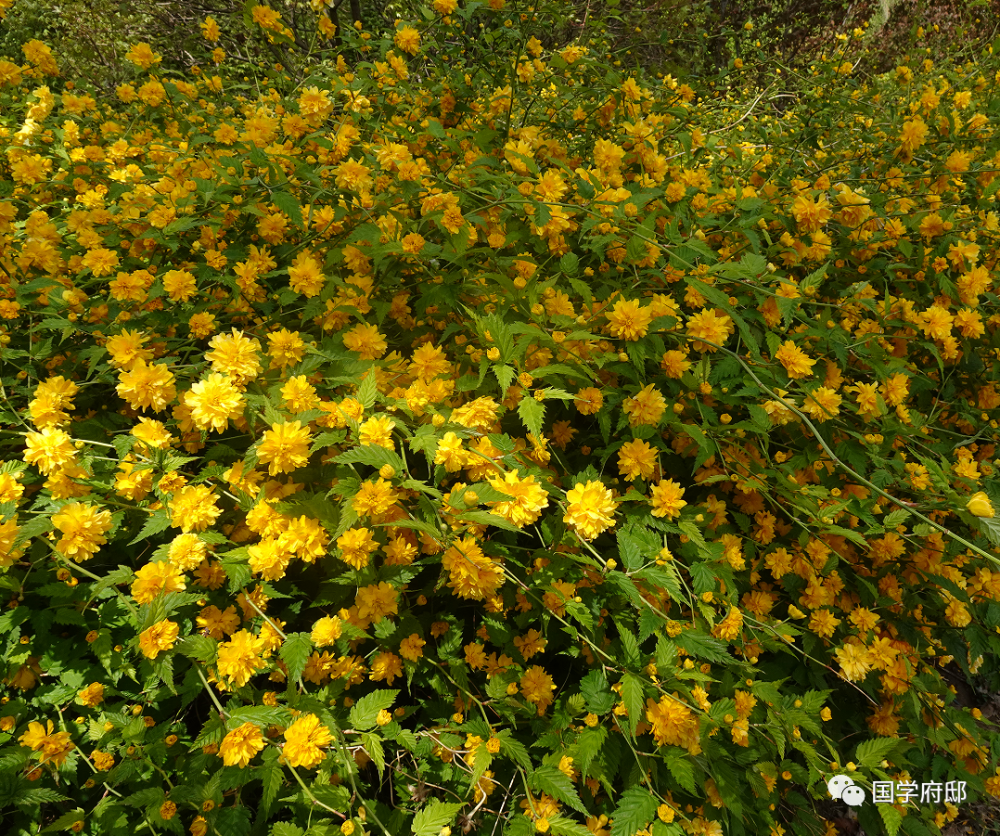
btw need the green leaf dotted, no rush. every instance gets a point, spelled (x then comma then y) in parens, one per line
(284, 828)
(365, 711)
(562, 826)
(679, 766)
(532, 414)
(632, 697)
(555, 782)
(437, 814)
(373, 456)
(595, 689)
(505, 376)
(368, 390)
(259, 715)
(66, 820)
(636, 809)
(289, 205)
(514, 749)
(702, 646)
(154, 524)
(891, 817)
(273, 778)
(233, 821)
(589, 745)
(872, 752)
(202, 648)
(295, 652)
(373, 746)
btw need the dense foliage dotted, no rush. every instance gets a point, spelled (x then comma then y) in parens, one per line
(495, 440)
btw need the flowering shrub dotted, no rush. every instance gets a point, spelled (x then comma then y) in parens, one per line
(513, 447)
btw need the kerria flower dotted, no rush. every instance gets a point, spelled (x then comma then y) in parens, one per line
(285, 447)
(528, 499)
(240, 745)
(590, 509)
(472, 574)
(214, 401)
(303, 740)
(629, 320)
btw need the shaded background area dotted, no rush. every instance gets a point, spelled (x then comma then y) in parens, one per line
(697, 38)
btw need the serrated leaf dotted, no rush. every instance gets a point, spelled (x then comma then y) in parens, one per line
(289, 205)
(505, 376)
(259, 715)
(295, 652)
(284, 828)
(232, 821)
(555, 782)
(201, 648)
(365, 711)
(589, 745)
(66, 820)
(368, 390)
(702, 646)
(596, 690)
(372, 455)
(373, 746)
(891, 818)
(681, 769)
(632, 697)
(532, 414)
(636, 809)
(514, 749)
(872, 752)
(562, 826)
(272, 778)
(437, 814)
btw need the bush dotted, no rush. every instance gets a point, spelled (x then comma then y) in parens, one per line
(515, 445)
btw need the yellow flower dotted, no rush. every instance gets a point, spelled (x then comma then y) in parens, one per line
(450, 453)
(366, 341)
(472, 574)
(528, 499)
(187, 551)
(590, 509)
(213, 402)
(326, 631)
(241, 744)
(356, 546)
(83, 528)
(239, 658)
(303, 740)
(589, 400)
(673, 723)
(235, 355)
(636, 459)
(537, 687)
(646, 408)
(156, 578)
(285, 447)
(377, 432)
(711, 325)
(795, 361)
(980, 505)
(854, 661)
(629, 320)
(194, 508)
(142, 55)
(158, 638)
(408, 40)
(147, 386)
(666, 499)
(51, 449)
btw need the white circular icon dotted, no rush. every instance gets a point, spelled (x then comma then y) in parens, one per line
(837, 784)
(853, 795)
